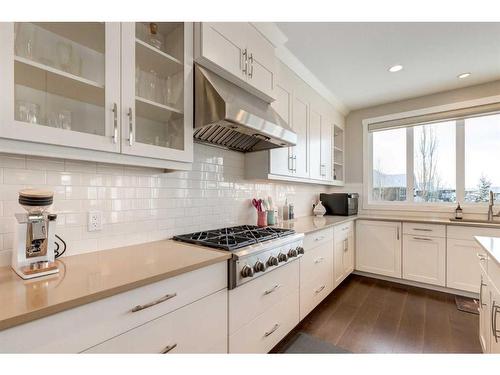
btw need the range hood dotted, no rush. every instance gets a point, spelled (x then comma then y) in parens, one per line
(228, 116)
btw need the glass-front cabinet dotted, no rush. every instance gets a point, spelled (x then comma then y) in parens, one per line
(123, 88)
(63, 82)
(157, 89)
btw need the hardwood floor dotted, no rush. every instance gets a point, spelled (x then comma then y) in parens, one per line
(365, 315)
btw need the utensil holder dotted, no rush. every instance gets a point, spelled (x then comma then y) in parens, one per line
(261, 218)
(270, 217)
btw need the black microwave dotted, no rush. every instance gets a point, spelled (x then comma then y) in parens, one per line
(342, 204)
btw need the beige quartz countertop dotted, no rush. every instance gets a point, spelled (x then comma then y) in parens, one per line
(89, 277)
(491, 245)
(310, 224)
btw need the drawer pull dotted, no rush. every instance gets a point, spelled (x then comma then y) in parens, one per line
(319, 260)
(168, 348)
(150, 304)
(274, 288)
(269, 333)
(422, 239)
(481, 257)
(320, 289)
(320, 238)
(423, 229)
(494, 312)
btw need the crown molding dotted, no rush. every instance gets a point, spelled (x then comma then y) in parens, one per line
(278, 39)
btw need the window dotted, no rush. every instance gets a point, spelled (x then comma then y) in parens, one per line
(434, 159)
(389, 165)
(434, 162)
(482, 158)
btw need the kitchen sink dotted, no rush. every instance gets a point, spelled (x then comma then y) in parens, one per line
(477, 221)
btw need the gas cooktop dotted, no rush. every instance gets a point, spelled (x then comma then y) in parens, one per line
(233, 238)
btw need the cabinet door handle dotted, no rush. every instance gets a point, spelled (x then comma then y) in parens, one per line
(397, 233)
(481, 257)
(423, 229)
(270, 332)
(319, 260)
(130, 127)
(244, 56)
(422, 239)
(295, 163)
(320, 289)
(346, 244)
(290, 159)
(319, 238)
(115, 123)
(151, 304)
(494, 312)
(168, 348)
(250, 59)
(273, 289)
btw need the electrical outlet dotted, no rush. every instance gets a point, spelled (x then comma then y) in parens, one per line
(94, 221)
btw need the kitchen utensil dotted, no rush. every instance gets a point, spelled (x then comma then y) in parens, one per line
(261, 218)
(257, 204)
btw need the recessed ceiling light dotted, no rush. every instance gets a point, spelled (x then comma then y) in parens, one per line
(463, 75)
(395, 68)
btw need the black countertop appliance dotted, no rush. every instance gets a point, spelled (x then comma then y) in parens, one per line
(342, 204)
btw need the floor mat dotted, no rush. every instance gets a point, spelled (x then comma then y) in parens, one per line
(302, 343)
(466, 304)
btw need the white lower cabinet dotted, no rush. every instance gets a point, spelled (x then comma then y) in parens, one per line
(378, 247)
(316, 270)
(343, 252)
(200, 327)
(494, 326)
(83, 327)
(265, 331)
(264, 310)
(424, 259)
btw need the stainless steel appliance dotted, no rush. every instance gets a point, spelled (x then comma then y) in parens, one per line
(34, 238)
(230, 117)
(342, 204)
(255, 251)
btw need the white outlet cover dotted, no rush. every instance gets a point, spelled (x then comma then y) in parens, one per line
(94, 221)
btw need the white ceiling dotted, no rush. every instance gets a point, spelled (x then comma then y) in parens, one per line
(351, 59)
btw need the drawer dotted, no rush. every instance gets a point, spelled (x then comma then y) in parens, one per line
(265, 331)
(316, 238)
(315, 262)
(313, 292)
(80, 328)
(252, 299)
(199, 327)
(468, 233)
(344, 228)
(422, 229)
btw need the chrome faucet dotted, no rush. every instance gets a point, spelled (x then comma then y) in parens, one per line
(490, 208)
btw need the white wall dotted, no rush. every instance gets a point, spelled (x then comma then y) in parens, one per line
(140, 204)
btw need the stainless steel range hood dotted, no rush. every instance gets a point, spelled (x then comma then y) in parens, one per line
(228, 116)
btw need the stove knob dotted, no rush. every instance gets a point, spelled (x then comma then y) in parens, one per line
(292, 253)
(282, 257)
(246, 271)
(259, 266)
(300, 250)
(272, 261)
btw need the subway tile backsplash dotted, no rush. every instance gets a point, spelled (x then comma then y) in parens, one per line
(140, 204)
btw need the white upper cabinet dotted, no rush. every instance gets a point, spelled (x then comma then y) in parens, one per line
(300, 118)
(70, 89)
(240, 53)
(157, 108)
(320, 146)
(61, 83)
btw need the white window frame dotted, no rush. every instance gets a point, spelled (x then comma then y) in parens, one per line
(409, 205)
